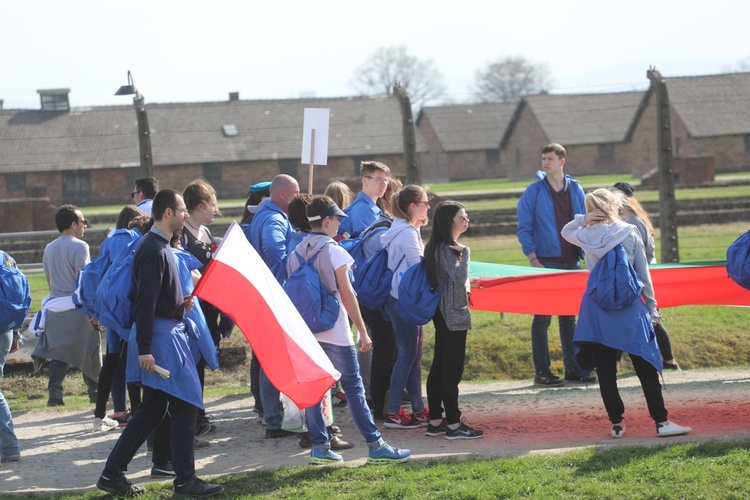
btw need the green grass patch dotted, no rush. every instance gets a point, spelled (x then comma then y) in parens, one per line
(701, 470)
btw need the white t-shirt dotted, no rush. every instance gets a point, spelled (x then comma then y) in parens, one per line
(341, 333)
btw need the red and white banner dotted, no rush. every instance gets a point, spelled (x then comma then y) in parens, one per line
(238, 282)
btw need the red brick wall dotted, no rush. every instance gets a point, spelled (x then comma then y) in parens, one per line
(521, 157)
(435, 165)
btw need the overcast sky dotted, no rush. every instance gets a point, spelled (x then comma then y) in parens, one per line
(190, 50)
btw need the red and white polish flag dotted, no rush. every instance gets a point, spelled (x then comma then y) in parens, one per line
(238, 282)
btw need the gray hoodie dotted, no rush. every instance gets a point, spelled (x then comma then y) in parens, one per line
(597, 239)
(405, 248)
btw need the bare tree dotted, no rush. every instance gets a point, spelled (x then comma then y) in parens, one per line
(390, 65)
(510, 78)
(741, 66)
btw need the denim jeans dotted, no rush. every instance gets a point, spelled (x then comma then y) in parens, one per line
(269, 395)
(539, 325)
(57, 371)
(344, 359)
(407, 371)
(8, 440)
(150, 413)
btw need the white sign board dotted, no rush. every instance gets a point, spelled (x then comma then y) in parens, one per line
(315, 119)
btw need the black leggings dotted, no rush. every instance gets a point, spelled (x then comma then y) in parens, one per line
(605, 359)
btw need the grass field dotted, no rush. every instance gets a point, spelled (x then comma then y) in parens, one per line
(499, 348)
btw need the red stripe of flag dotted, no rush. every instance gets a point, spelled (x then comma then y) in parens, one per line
(239, 283)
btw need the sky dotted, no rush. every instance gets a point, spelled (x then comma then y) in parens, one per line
(195, 51)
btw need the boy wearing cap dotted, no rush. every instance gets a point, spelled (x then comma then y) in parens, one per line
(333, 265)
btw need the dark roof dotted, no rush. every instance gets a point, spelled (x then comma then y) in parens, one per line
(188, 133)
(469, 127)
(712, 105)
(571, 119)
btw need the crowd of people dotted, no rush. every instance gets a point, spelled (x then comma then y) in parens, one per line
(165, 242)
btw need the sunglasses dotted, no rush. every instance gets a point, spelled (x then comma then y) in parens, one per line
(85, 222)
(132, 195)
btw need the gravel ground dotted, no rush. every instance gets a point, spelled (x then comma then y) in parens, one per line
(60, 453)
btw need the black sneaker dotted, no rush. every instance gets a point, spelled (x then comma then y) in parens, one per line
(547, 378)
(463, 432)
(575, 376)
(204, 427)
(120, 486)
(56, 402)
(163, 471)
(278, 433)
(197, 488)
(437, 430)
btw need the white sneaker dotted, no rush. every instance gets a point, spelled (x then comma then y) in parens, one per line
(618, 430)
(669, 428)
(104, 424)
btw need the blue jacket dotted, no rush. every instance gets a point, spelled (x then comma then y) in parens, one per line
(537, 230)
(362, 213)
(269, 233)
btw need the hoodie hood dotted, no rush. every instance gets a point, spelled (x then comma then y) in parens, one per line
(312, 244)
(398, 226)
(600, 238)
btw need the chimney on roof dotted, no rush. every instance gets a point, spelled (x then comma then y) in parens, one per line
(54, 99)
(234, 96)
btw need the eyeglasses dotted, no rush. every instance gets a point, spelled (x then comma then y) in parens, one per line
(132, 195)
(381, 180)
(183, 210)
(425, 202)
(85, 222)
(462, 218)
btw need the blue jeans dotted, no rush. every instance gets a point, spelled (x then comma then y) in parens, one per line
(407, 371)
(150, 413)
(344, 359)
(8, 440)
(539, 325)
(269, 396)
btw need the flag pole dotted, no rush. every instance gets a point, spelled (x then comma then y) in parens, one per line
(312, 162)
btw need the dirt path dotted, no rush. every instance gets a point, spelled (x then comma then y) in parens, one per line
(61, 454)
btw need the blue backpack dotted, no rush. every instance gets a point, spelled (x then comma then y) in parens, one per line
(613, 283)
(417, 299)
(356, 246)
(114, 295)
(372, 280)
(317, 306)
(15, 296)
(87, 281)
(738, 260)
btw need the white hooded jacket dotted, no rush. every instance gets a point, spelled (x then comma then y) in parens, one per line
(599, 238)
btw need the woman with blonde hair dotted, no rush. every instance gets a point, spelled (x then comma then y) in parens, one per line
(405, 248)
(601, 333)
(633, 213)
(341, 193)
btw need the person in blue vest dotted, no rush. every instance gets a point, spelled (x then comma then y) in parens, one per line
(9, 340)
(544, 208)
(159, 309)
(602, 333)
(269, 233)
